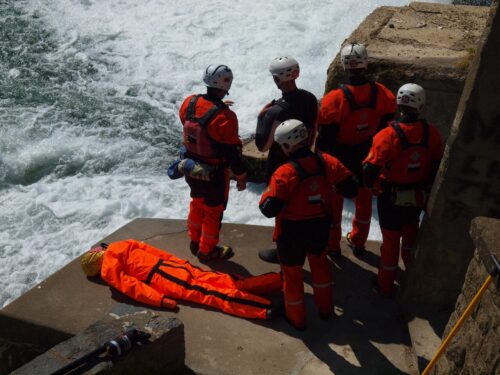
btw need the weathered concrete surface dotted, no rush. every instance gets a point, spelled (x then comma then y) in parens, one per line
(424, 43)
(474, 349)
(367, 336)
(165, 345)
(467, 185)
(255, 161)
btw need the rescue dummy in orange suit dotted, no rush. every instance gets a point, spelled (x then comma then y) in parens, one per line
(158, 278)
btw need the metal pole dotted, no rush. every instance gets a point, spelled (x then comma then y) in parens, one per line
(464, 316)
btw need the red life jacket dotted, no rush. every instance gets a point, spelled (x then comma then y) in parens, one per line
(196, 139)
(312, 196)
(414, 164)
(363, 121)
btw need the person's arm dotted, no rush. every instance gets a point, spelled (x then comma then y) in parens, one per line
(384, 121)
(267, 122)
(370, 174)
(329, 117)
(275, 197)
(381, 152)
(348, 187)
(224, 130)
(343, 180)
(112, 272)
(386, 105)
(327, 134)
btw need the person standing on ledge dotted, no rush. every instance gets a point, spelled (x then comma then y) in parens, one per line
(401, 166)
(348, 119)
(299, 196)
(295, 103)
(210, 136)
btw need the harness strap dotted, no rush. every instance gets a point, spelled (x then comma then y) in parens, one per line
(355, 105)
(226, 297)
(303, 174)
(205, 119)
(404, 140)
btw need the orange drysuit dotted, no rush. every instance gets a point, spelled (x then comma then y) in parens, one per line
(218, 144)
(407, 155)
(156, 277)
(299, 195)
(348, 118)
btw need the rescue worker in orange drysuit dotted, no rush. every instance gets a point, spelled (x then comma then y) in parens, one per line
(210, 136)
(299, 196)
(158, 278)
(348, 118)
(295, 103)
(402, 164)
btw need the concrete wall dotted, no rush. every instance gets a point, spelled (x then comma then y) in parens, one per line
(474, 348)
(468, 184)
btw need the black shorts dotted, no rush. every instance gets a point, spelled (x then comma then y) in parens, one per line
(393, 217)
(301, 237)
(352, 156)
(214, 192)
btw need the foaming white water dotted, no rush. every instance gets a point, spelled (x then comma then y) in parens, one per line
(157, 50)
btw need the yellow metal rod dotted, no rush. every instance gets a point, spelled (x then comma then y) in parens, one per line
(458, 324)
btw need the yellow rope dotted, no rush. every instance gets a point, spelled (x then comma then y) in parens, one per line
(458, 324)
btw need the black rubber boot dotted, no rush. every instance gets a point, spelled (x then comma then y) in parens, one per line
(269, 256)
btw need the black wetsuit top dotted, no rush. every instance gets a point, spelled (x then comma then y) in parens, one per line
(298, 104)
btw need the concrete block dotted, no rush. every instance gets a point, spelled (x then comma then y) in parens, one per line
(163, 353)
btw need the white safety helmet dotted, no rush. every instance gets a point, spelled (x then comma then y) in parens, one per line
(284, 68)
(354, 56)
(411, 95)
(218, 76)
(291, 135)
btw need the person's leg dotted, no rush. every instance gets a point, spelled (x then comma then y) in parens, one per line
(292, 256)
(390, 225)
(389, 257)
(336, 226)
(216, 194)
(321, 273)
(361, 220)
(216, 290)
(194, 222)
(261, 284)
(293, 290)
(409, 234)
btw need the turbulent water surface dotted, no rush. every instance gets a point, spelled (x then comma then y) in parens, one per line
(89, 94)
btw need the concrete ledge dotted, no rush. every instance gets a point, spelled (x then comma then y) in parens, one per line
(163, 353)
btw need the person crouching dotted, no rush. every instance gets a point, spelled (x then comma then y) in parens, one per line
(299, 197)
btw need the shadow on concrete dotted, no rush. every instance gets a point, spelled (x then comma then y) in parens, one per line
(350, 343)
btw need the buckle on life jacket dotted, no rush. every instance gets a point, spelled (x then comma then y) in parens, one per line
(409, 197)
(197, 170)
